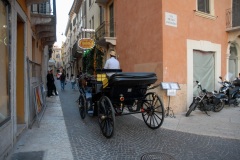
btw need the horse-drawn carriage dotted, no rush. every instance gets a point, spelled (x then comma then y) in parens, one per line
(122, 94)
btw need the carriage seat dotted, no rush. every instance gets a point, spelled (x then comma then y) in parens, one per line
(132, 78)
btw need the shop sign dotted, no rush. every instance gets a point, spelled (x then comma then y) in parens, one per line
(86, 43)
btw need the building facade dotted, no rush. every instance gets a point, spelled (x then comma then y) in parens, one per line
(27, 33)
(180, 41)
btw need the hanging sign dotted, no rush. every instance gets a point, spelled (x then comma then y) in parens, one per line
(86, 43)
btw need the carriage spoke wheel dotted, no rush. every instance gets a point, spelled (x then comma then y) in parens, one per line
(82, 106)
(152, 110)
(106, 117)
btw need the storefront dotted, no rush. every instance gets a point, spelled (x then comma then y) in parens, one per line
(5, 111)
(4, 68)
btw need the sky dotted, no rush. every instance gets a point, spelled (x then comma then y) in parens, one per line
(63, 7)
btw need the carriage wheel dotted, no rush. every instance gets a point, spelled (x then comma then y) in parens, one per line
(152, 110)
(106, 116)
(82, 106)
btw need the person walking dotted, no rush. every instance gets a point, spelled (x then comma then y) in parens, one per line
(50, 84)
(63, 79)
(73, 81)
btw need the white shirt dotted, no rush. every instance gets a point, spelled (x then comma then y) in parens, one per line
(112, 63)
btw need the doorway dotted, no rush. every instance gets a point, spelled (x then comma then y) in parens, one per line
(20, 109)
(203, 70)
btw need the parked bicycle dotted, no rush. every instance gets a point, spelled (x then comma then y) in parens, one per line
(207, 101)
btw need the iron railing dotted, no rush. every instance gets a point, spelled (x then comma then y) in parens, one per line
(232, 18)
(106, 29)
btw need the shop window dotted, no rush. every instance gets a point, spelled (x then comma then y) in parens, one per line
(4, 61)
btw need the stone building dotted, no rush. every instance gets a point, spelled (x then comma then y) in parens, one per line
(27, 33)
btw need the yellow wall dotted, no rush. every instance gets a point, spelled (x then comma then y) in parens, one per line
(22, 3)
(20, 72)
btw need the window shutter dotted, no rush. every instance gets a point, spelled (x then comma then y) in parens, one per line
(235, 13)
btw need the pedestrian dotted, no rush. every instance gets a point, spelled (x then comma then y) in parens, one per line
(63, 79)
(67, 79)
(112, 63)
(50, 84)
(73, 81)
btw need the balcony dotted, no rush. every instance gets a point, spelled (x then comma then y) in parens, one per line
(76, 51)
(43, 20)
(105, 33)
(103, 2)
(232, 20)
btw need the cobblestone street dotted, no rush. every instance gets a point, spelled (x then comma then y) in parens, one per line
(134, 140)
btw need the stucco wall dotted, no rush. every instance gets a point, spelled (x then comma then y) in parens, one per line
(139, 35)
(190, 26)
(146, 43)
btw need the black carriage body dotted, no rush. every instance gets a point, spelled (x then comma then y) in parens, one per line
(105, 102)
(132, 86)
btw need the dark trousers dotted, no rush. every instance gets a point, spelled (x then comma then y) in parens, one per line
(51, 89)
(49, 92)
(54, 89)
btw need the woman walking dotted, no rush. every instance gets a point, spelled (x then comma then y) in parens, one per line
(63, 79)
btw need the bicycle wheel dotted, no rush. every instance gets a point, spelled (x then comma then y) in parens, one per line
(106, 117)
(152, 110)
(192, 107)
(82, 106)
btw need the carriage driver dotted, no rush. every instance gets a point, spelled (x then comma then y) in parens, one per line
(112, 63)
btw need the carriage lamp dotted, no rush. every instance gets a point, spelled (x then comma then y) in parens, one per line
(121, 97)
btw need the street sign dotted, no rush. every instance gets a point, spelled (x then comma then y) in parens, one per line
(86, 43)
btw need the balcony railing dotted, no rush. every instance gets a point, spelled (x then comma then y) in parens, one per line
(106, 29)
(232, 19)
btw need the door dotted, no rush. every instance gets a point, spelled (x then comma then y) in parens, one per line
(203, 70)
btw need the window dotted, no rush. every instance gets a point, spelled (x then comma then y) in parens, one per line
(204, 6)
(90, 2)
(74, 21)
(85, 9)
(101, 14)
(58, 56)
(92, 22)
(235, 13)
(42, 8)
(4, 61)
(111, 10)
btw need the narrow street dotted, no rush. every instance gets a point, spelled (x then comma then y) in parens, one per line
(134, 140)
